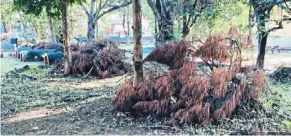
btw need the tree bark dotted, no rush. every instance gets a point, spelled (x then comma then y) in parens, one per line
(263, 36)
(53, 30)
(67, 49)
(166, 32)
(262, 40)
(137, 31)
(91, 28)
(185, 29)
(164, 21)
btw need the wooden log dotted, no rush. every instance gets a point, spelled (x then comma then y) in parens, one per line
(52, 57)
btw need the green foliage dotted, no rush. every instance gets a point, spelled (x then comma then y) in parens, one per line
(286, 124)
(52, 7)
(6, 11)
(222, 15)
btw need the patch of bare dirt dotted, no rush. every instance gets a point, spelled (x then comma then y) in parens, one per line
(32, 114)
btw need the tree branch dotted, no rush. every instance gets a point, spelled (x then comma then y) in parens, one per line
(100, 7)
(280, 26)
(191, 14)
(85, 10)
(157, 13)
(111, 9)
(264, 5)
(154, 9)
(175, 9)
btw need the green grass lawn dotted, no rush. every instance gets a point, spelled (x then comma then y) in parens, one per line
(8, 63)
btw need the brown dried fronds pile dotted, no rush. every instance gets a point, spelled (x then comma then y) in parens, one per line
(95, 59)
(186, 96)
(199, 99)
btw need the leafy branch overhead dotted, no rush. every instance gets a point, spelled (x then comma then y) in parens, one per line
(52, 7)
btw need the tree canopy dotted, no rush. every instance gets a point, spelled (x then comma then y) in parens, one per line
(52, 7)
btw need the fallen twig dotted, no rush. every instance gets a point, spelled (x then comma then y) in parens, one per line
(88, 72)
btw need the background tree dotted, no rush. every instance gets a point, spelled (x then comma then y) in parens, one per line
(76, 21)
(190, 12)
(126, 24)
(217, 17)
(168, 15)
(6, 13)
(137, 31)
(165, 12)
(262, 9)
(96, 12)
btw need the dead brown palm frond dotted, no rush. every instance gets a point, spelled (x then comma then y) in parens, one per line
(219, 79)
(214, 48)
(171, 54)
(125, 97)
(258, 81)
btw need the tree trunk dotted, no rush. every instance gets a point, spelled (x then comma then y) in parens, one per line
(5, 27)
(137, 31)
(263, 36)
(67, 49)
(250, 25)
(91, 28)
(128, 29)
(166, 32)
(124, 28)
(156, 33)
(262, 40)
(71, 24)
(53, 31)
(185, 29)
(24, 26)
